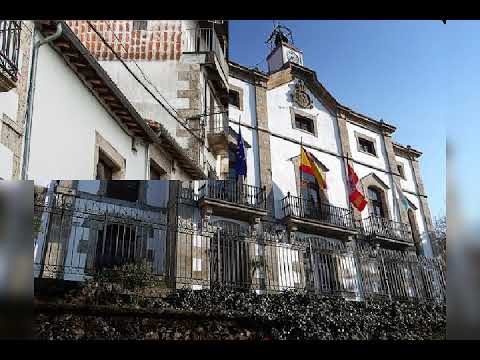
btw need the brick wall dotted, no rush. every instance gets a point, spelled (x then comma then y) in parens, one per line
(161, 41)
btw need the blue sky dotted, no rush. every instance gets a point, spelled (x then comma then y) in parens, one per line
(416, 75)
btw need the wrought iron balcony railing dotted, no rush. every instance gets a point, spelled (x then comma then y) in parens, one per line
(232, 192)
(10, 47)
(205, 40)
(217, 122)
(378, 226)
(306, 209)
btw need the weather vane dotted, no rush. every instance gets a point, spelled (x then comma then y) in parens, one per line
(280, 33)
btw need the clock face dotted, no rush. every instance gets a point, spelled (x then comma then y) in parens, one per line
(293, 57)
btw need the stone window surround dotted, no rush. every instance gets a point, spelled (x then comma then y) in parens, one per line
(401, 170)
(294, 112)
(111, 155)
(160, 161)
(371, 180)
(239, 90)
(156, 167)
(383, 198)
(358, 136)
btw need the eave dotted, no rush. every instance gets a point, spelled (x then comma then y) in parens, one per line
(407, 150)
(94, 77)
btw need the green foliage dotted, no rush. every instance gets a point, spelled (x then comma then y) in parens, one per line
(131, 277)
(297, 315)
(289, 315)
(121, 285)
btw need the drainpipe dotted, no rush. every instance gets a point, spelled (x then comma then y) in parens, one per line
(147, 161)
(31, 91)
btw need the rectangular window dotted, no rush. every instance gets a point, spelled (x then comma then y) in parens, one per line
(304, 123)
(140, 24)
(234, 98)
(104, 168)
(156, 172)
(366, 146)
(401, 171)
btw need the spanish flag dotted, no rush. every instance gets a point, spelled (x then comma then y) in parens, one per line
(308, 165)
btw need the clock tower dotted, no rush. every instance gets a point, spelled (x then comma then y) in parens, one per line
(283, 51)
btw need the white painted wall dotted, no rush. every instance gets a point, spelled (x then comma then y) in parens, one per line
(377, 161)
(164, 75)
(247, 116)
(6, 162)
(66, 116)
(409, 183)
(9, 104)
(380, 161)
(282, 151)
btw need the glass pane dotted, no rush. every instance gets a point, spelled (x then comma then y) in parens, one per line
(372, 194)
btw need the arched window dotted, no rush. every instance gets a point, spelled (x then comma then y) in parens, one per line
(375, 198)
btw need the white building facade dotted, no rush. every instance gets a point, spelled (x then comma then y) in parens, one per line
(183, 64)
(66, 116)
(287, 107)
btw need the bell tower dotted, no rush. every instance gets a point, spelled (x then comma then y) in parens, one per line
(282, 49)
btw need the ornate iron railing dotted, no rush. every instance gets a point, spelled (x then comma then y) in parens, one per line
(10, 46)
(76, 237)
(306, 209)
(378, 226)
(205, 40)
(235, 193)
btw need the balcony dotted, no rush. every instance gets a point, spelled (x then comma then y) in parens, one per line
(231, 199)
(217, 130)
(324, 219)
(9, 53)
(383, 229)
(205, 40)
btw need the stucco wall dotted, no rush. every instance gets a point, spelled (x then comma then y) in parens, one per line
(247, 116)
(408, 183)
(164, 76)
(282, 151)
(6, 161)
(66, 116)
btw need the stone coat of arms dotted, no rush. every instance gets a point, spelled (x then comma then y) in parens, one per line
(301, 97)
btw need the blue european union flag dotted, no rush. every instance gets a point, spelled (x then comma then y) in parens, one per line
(241, 163)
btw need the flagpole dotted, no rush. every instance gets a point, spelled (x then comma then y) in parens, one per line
(348, 183)
(239, 184)
(299, 167)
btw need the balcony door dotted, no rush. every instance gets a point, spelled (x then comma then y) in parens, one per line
(312, 197)
(377, 210)
(375, 199)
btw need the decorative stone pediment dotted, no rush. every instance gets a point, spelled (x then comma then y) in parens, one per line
(373, 179)
(412, 205)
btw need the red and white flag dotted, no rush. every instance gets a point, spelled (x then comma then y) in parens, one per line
(355, 196)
